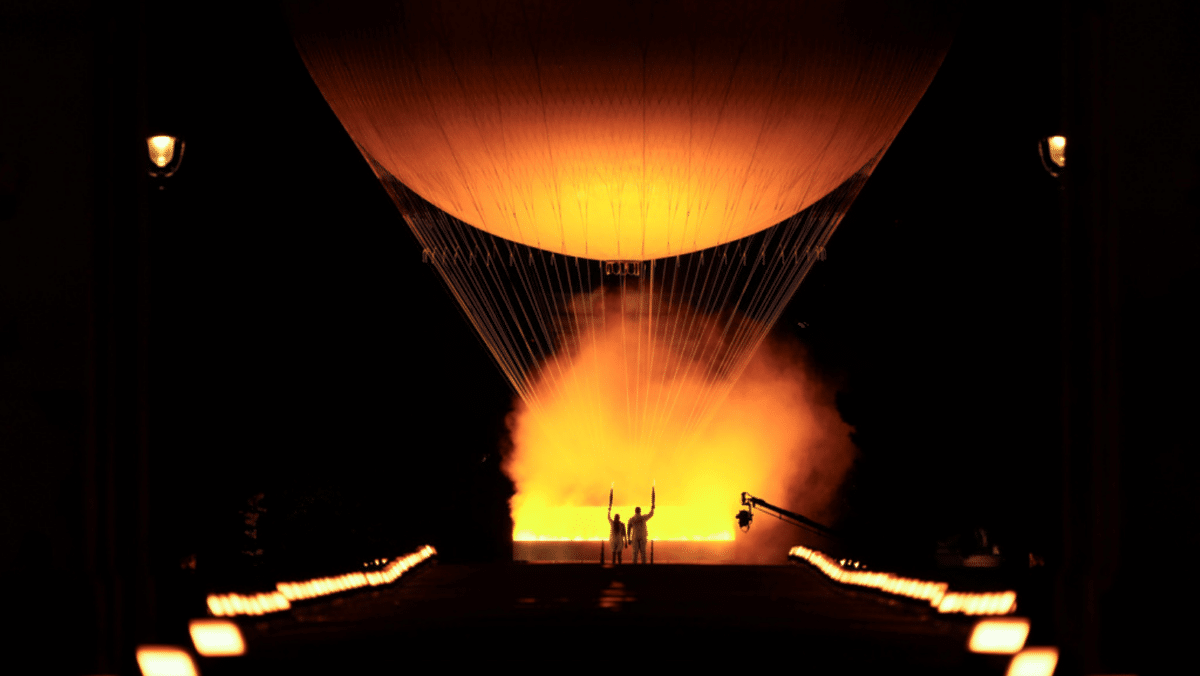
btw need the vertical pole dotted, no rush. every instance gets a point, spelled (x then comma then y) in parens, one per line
(652, 551)
(116, 465)
(1092, 328)
(602, 552)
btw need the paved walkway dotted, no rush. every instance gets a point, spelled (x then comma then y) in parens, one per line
(563, 616)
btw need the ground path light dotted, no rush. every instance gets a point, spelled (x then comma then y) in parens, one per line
(226, 605)
(217, 638)
(1003, 636)
(1034, 662)
(165, 660)
(938, 594)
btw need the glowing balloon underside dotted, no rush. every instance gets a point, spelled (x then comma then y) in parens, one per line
(621, 130)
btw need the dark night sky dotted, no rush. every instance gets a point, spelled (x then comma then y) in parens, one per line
(300, 348)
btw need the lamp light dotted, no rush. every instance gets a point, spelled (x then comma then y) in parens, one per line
(165, 660)
(166, 153)
(1034, 662)
(217, 638)
(1004, 636)
(1053, 151)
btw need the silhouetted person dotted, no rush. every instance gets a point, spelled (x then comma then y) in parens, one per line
(637, 532)
(616, 537)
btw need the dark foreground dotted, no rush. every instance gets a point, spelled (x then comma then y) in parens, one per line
(574, 617)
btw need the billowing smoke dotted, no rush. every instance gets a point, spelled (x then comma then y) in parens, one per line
(635, 404)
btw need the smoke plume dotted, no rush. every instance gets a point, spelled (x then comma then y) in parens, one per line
(634, 404)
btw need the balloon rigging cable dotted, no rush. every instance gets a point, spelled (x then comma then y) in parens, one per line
(534, 309)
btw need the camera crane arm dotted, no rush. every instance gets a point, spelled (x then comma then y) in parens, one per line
(745, 516)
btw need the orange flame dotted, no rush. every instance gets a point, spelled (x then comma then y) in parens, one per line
(637, 402)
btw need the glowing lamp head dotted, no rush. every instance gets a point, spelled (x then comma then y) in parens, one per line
(1053, 150)
(165, 660)
(162, 150)
(217, 638)
(1058, 150)
(166, 153)
(1002, 636)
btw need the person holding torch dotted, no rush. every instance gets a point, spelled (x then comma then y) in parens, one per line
(616, 534)
(637, 529)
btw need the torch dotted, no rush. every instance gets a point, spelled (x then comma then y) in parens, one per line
(652, 496)
(610, 492)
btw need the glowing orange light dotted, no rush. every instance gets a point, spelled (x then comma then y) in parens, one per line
(936, 593)
(728, 130)
(216, 638)
(286, 592)
(1058, 150)
(999, 636)
(294, 591)
(162, 150)
(247, 604)
(591, 417)
(986, 603)
(165, 660)
(1034, 662)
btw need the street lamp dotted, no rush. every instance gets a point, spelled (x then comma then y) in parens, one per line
(1053, 151)
(166, 152)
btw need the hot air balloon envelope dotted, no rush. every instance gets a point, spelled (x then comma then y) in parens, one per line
(621, 130)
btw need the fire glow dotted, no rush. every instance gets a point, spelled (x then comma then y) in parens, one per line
(631, 407)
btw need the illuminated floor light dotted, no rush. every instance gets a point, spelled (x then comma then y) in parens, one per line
(217, 638)
(247, 604)
(936, 593)
(999, 636)
(295, 591)
(165, 660)
(1034, 662)
(226, 605)
(985, 603)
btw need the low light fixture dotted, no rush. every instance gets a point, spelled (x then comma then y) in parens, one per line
(938, 594)
(227, 605)
(1000, 636)
(1034, 662)
(217, 638)
(165, 660)
(1053, 151)
(166, 153)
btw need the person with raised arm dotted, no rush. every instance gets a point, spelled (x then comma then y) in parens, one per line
(637, 529)
(616, 532)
